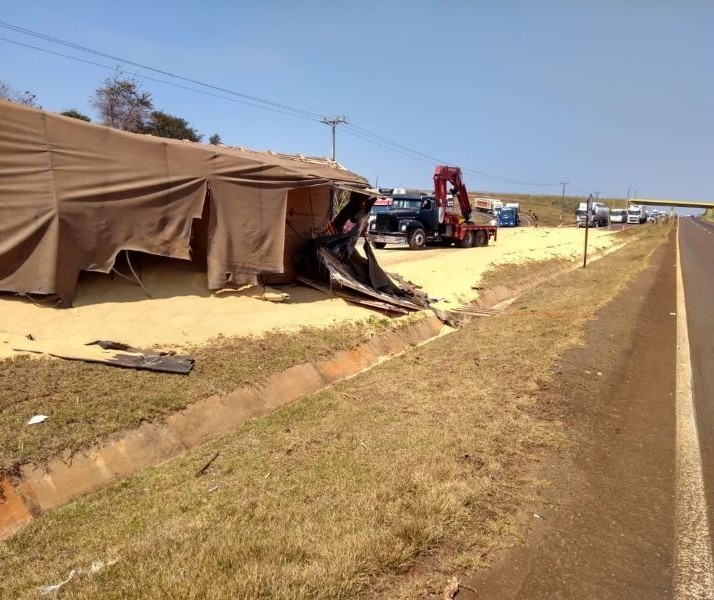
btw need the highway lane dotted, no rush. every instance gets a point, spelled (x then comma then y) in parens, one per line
(697, 257)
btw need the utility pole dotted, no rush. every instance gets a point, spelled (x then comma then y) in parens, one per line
(587, 226)
(334, 123)
(562, 201)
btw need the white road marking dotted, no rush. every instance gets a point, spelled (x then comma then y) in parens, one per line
(693, 565)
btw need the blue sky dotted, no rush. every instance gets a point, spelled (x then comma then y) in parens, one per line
(606, 94)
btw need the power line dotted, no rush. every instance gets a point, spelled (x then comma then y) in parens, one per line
(253, 101)
(412, 153)
(155, 79)
(65, 43)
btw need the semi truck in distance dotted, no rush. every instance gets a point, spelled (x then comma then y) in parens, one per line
(636, 214)
(488, 205)
(509, 216)
(599, 214)
(618, 215)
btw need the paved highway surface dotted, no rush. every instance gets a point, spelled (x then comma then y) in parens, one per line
(697, 256)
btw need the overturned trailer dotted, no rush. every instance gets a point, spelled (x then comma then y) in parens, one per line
(74, 195)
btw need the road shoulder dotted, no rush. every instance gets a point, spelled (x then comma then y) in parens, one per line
(607, 532)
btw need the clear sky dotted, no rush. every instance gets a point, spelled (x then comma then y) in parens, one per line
(606, 94)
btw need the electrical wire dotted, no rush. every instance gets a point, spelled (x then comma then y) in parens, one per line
(157, 80)
(412, 153)
(249, 100)
(36, 34)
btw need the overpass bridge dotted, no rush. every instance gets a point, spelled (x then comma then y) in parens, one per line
(671, 202)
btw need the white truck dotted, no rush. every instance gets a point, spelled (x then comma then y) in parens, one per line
(599, 214)
(618, 215)
(488, 205)
(636, 214)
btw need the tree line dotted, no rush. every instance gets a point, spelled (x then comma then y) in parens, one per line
(122, 103)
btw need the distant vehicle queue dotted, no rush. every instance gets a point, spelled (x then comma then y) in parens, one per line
(601, 216)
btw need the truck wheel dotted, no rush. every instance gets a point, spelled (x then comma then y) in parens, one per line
(468, 240)
(379, 245)
(481, 238)
(417, 239)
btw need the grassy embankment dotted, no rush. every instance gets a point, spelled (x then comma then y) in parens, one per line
(709, 215)
(87, 401)
(432, 454)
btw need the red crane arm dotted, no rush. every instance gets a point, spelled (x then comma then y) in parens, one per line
(444, 174)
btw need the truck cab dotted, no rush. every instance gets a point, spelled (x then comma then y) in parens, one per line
(409, 213)
(508, 216)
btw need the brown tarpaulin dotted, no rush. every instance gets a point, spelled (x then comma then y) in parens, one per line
(74, 194)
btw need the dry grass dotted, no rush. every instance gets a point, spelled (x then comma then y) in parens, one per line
(87, 401)
(342, 494)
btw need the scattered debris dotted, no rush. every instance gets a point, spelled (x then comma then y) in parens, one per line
(271, 295)
(204, 468)
(104, 352)
(37, 419)
(331, 263)
(149, 360)
(96, 566)
(537, 516)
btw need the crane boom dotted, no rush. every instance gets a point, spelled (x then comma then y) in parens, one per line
(444, 174)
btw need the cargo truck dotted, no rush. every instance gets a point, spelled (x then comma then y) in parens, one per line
(509, 216)
(599, 214)
(636, 214)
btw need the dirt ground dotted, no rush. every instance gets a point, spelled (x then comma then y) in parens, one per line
(607, 529)
(182, 312)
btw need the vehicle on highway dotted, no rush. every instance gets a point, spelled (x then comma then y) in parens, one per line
(618, 215)
(599, 214)
(636, 214)
(418, 219)
(509, 216)
(488, 205)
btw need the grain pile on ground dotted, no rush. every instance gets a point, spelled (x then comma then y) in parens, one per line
(451, 273)
(183, 313)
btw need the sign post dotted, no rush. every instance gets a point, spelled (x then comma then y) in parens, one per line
(588, 216)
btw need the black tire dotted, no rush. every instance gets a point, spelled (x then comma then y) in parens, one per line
(468, 240)
(379, 245)
(417, 239)
(481, 238)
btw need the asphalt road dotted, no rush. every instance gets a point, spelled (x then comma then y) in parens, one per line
(697, 256)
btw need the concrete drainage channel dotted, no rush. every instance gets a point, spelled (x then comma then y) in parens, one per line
(37, 489)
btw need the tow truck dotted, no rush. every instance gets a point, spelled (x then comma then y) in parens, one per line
(420, 219)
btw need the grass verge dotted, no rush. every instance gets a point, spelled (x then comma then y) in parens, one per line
(336, 496)
(87, 401)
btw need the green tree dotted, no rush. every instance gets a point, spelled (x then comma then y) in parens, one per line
(162, 124)
(75, 114)
(122, 104)
(215, 140)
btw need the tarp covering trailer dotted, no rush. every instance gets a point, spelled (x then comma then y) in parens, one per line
(73, 195)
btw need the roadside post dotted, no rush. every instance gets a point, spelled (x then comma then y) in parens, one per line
(587, 227)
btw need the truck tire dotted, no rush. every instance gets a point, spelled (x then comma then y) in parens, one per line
(468, 240)
(417, 239)
(481, 238)
(379, 245)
